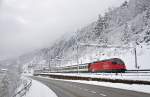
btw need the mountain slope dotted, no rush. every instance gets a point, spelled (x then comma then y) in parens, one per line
(127, 26)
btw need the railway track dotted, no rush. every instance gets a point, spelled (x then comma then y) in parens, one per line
(138, 71)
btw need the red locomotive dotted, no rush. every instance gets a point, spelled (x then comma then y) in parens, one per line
(109, 65)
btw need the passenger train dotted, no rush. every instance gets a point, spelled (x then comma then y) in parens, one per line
(114, 65)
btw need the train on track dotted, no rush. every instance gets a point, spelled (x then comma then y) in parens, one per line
(114, 65)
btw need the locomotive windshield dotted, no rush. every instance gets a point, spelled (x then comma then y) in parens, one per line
(118, 61)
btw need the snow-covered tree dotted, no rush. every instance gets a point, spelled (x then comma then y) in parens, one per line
(126, 34)
(101, 25)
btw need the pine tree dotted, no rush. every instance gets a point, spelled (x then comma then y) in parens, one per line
(146, 17)
(126, 34)
(147, 36)
(139, 6)
(125, 4)
(101, 25)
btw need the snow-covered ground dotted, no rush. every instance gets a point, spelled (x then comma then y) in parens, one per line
(39, 90)
(133, 87)
(123, 76)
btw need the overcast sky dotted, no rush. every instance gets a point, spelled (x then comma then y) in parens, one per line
(26, 25)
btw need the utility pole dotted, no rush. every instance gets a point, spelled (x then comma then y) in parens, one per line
(49, 65)
(135, 56)
(77, 48)
(49, 59)
(77, 58)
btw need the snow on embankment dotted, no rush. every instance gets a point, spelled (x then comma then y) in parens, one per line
(39, 90)
(122, 76)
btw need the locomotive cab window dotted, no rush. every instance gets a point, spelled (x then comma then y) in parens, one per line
(114, 62)
(120, 62)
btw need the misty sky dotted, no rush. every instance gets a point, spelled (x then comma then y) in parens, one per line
(26, 25)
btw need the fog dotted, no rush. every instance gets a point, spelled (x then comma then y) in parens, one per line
(26, 25)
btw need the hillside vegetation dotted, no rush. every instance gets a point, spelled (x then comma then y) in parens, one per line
(127, 25)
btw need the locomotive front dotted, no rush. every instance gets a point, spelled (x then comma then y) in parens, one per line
(109, 65)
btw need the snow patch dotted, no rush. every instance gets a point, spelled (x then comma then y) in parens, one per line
(39, 90)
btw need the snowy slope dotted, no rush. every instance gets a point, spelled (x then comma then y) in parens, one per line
(125, 26)
(39, 90)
